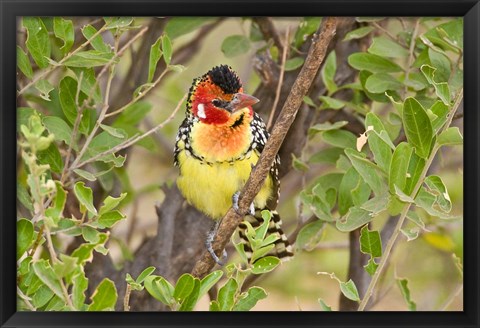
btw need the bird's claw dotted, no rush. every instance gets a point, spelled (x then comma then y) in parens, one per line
(208, 243)
(237, 208)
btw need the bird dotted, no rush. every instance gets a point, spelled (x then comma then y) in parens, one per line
(217, 145)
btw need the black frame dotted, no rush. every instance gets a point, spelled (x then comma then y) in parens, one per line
(469, 9)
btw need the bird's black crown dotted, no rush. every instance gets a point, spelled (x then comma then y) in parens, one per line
(225, 78)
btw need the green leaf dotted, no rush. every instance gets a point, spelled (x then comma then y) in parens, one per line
(440, 110)
(85, 174)
(371, 266)
(24, 63)
(441, 89)
(403, 285)
(133, 114)
(80, 285)
(166, 49)
(226, 295)
(249, 299)
(441, 63)
(310, 235)
(25, 236)
(331, 103)
(145, 273)
(451, 136)
(59, 128)
(375, 205)
(320, 127)
(307, 27)
(293, 63)
(104, 297)
(67, 95)
(327, 155)
(41, 296)
(370, 242)
(52, 157)
(214, 306)
(372, 63)
(349, 290)
(90, 235)
(189, 303)
(358, 33)
(209, 281)
(117, 133)
(381, 82)
(415, 168)
(84, 253)
(370, 172)
(324, 306)
(38, 42)
(44, 87)
(235, 45)
(177, 26)
(155, 55)
(399, 167)
(97, 42)
(184, 287)
(63, 29)
(89, 58)
(299, 165)
(355, 218)
(118, 22)
(418, 128)
(384, 47)
(340, 138)
(109, 219)
(85, 196)
(111, 202)
(436, 185)
(380, 147)
(309, 101)
(415, 218)
(351, 187)
(265, 264)
(328, 72)
(45, 273)
(160, 289)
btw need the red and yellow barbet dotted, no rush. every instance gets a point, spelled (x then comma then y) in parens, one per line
(217, 145)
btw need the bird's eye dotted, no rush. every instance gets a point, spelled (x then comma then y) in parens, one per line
(216, 102)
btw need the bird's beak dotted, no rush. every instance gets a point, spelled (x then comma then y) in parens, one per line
(241, 100)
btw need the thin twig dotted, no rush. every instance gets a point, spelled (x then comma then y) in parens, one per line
(26, 299)
(387, 32)
(132, 140)
(451, 298)
(411, 51)
(403, 215)
(280, 80)
(126, 299)
(60, 63)
(233, 217)
(140, 96)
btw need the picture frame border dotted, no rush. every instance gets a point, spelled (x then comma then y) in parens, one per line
(11, 9)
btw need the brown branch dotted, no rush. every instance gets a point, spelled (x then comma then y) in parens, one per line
(300, 88)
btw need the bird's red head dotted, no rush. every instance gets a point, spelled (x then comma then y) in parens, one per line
(217, 95)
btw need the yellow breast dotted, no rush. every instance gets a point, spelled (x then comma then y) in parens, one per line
(210, 187)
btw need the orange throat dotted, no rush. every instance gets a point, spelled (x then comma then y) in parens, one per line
(219, 143)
